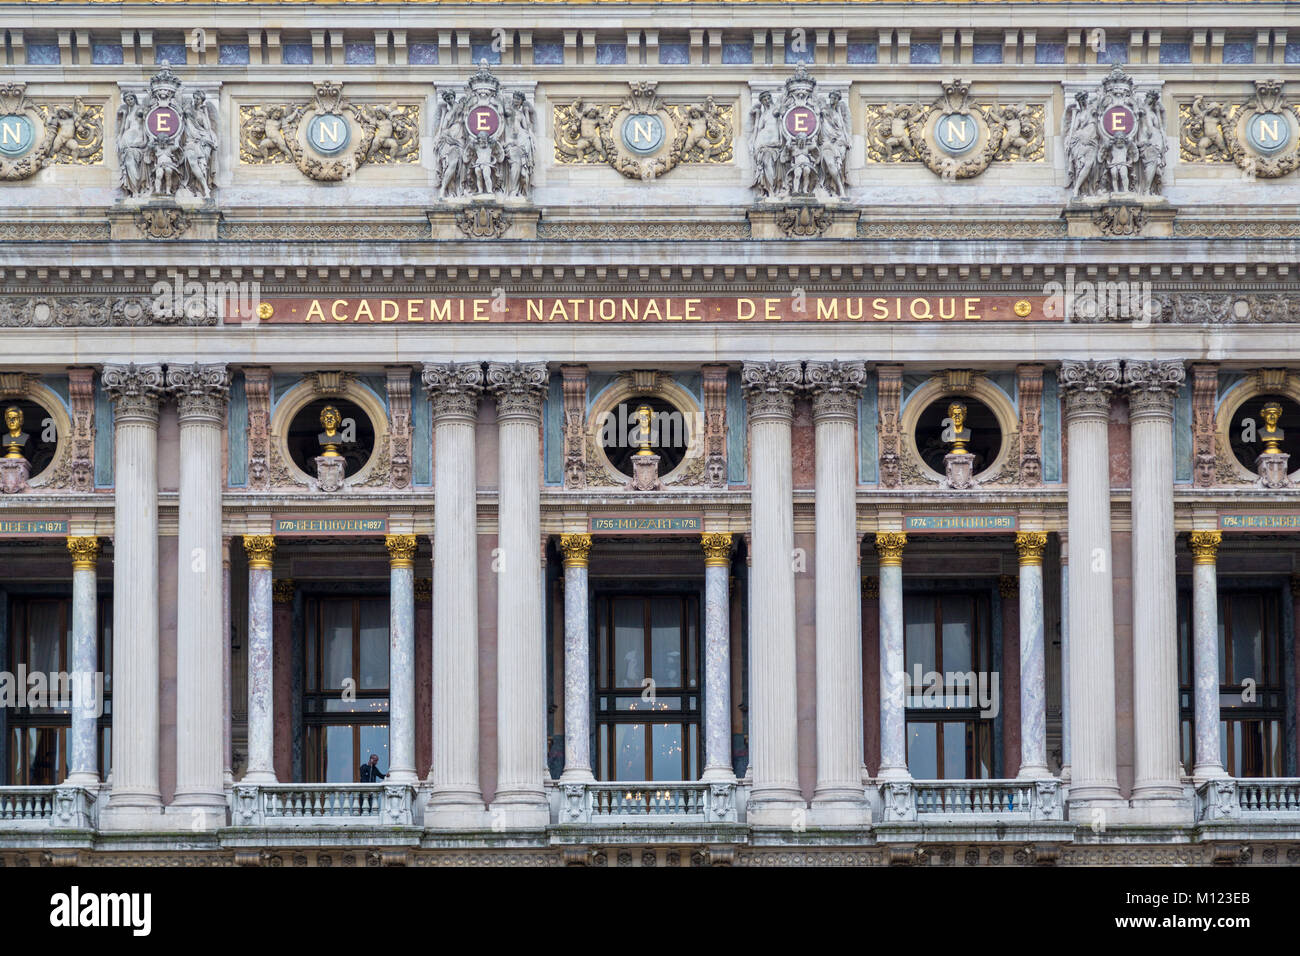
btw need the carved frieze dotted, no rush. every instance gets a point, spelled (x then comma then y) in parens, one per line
(643, 136)
(954, 137)
(1261, 135)
(34, 135)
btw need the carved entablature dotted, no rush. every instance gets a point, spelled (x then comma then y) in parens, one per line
(35, 134)
(330, 137)
(643, 136)
(1261, 134)
(954, 137)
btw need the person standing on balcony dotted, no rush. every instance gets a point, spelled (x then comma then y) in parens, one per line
(370, 771)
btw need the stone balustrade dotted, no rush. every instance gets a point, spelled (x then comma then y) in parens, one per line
(323, 805)
(1227, 798)
(39, 808)
(653, 802)
(972, 800)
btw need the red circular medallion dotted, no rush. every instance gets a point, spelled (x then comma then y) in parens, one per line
(483, 119)
(800, 121)
(163, 121)
(1118, 119)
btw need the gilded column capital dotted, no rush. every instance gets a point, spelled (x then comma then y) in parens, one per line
(889, 545)
(1205, 547)
(1030, 545)
(576, 549)
(717, 549)
(519, 388)
(85, 553)
(260, 549)
(201, 392)
(401, 550)
(135, 391)
(454, 389)
(770, 388)
(1151, 387)
(835, 387)
(1088, 386)
(282, 590)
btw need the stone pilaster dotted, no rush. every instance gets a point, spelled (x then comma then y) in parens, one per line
(576, 549)
(257, 389)
(717, 657)
(1205, 653)
(1087, 388)
(401, 657)
(574, 390)
(713, 384)
(260, 768)
(87, 692)
(889, 393)
(1033, 664)
(399, 422)
(81, 395)
(773, 729)
(836, 387)
(135, 797)
(1151, 388)
(893, 665)
(454, 391)
(521, 663)
(201, 393)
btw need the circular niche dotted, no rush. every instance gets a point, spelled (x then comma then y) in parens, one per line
(985, 441)
(670, 436)
(40, 427)
(1251, 410)
(305, 428)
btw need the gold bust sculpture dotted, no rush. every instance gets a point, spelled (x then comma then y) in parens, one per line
(1271, 435)
(960, 433)
(330, 438)
(644, 415)
(15, 439)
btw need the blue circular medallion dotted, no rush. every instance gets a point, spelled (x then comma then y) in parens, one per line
(643, 133)
(956, 133)
(1268, 132)
(17, 134)
(328, 133)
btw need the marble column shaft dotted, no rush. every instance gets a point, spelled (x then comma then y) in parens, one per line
(774, 713)
(401, 658)
(454, 391)
(87, 684)
(576, 549)
(1205, 653)
(893, 666)
(1087, 388)
(521, 662)
(261, 688)
(135, 391)
(1065, 664)
(835, 388)
(1033, 669)
(1152, 387)
(717, 657)
(201, 392)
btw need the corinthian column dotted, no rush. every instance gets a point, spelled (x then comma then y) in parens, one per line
(521, 661)
(1087, 388)
(260, 549)
(401, 657)
(1033, 669)
(839, 797)
(576, 548)
(893, 665)
(87, 697)
(1151, 388)
(135, 391)
(201, 392)
(717, 658)
(1205, 653)
(454, 392)
(774, 714)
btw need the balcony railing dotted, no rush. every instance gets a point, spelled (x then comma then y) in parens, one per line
(46, 808)
(972, 801)
(648, 802)
(322, 805)
(1248, 799)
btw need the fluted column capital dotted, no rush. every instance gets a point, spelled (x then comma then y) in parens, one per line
(1205, 546)
(519, 388)
(201, 392)
(1151, 387)
(1088, 386)
(454, 389)
(889, 545)
(575, 548)
(260, 549)
(835, 387)
(85, 553)
(770, 388)
(717, 549)
(1030, 545)
(135, 390)
(401, 550)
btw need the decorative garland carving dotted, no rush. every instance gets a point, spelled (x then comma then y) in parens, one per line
(257, 390)
(81, 460)
(715, 424)
(1205, 385)
(889, 385)
(61, 133)
(1211, 132)
(162, 222)
(574, 389)
(399, 421)
(1029, 388)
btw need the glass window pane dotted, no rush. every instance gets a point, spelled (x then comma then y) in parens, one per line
(340, 765)
(1184, 639)
(666, 641)
(44, 758)
(629, 644)
(958, 631)
(667, 751)
(918, 633)
(44, 640)
(692, 679)
(693, 751)
(629, 752)
(336, 643)
(106, 646)
(954, 751)
(922, 754)
(313, 675)
(1247, 639)
(374, 644)
(374, 740)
